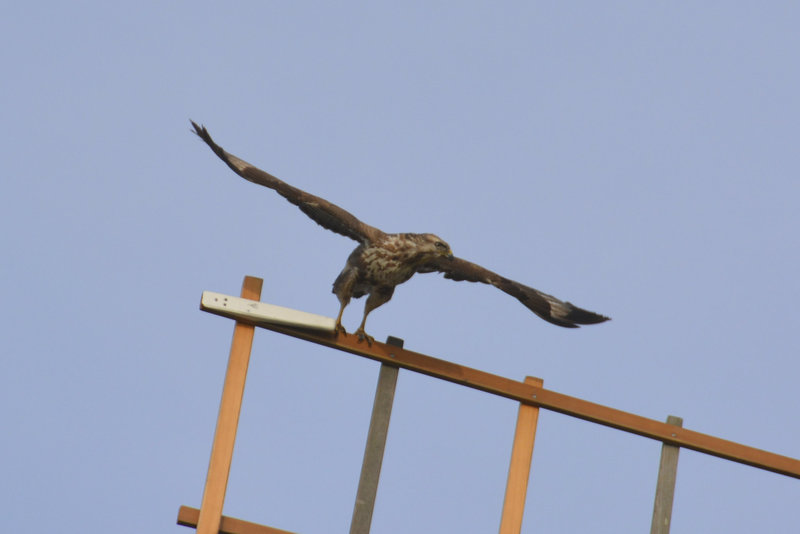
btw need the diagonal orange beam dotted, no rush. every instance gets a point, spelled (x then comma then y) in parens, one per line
(550, 400)
(188, 517)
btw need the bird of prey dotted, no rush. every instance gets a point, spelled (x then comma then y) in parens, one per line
(382, 261)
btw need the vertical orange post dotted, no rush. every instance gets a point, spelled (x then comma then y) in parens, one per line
(228, 420)
(520, 468)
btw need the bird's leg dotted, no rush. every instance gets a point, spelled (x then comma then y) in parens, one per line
(375, 299)
(339, 327)
(362, 335)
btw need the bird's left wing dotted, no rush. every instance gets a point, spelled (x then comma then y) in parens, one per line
(324, 213)
(545, 306)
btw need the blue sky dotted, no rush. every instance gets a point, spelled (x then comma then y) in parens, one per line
(637, 159)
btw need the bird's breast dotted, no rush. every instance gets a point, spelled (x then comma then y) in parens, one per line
(381, 266)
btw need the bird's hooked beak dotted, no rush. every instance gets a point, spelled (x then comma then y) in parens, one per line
(449, 254)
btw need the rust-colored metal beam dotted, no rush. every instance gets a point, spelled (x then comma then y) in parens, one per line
(188, 517)
(547, 399)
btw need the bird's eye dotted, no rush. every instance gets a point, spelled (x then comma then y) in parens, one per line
(439, 244)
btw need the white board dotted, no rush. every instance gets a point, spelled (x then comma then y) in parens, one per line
(261, 312)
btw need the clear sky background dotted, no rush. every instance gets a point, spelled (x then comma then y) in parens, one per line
(638, 159)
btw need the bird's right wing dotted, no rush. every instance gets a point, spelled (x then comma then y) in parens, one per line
(324, 213)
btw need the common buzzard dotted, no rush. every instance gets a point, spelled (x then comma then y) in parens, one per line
(381, 261)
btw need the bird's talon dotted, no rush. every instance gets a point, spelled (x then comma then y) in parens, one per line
(364, 336)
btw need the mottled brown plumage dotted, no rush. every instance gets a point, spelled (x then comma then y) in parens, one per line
(382, 261)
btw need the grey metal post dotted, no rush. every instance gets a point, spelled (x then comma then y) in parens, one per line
(665, 486)
(376, 442)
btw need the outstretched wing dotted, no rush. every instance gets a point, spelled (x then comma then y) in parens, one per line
(324, 213)
(545, 306)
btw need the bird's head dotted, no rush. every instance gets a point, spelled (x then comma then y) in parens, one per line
(436, 246)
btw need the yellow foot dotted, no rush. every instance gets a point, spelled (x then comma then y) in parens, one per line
(363, 335)
(339, 329)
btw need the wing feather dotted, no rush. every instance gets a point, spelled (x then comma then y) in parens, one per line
(324, 213)
(545, 306)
